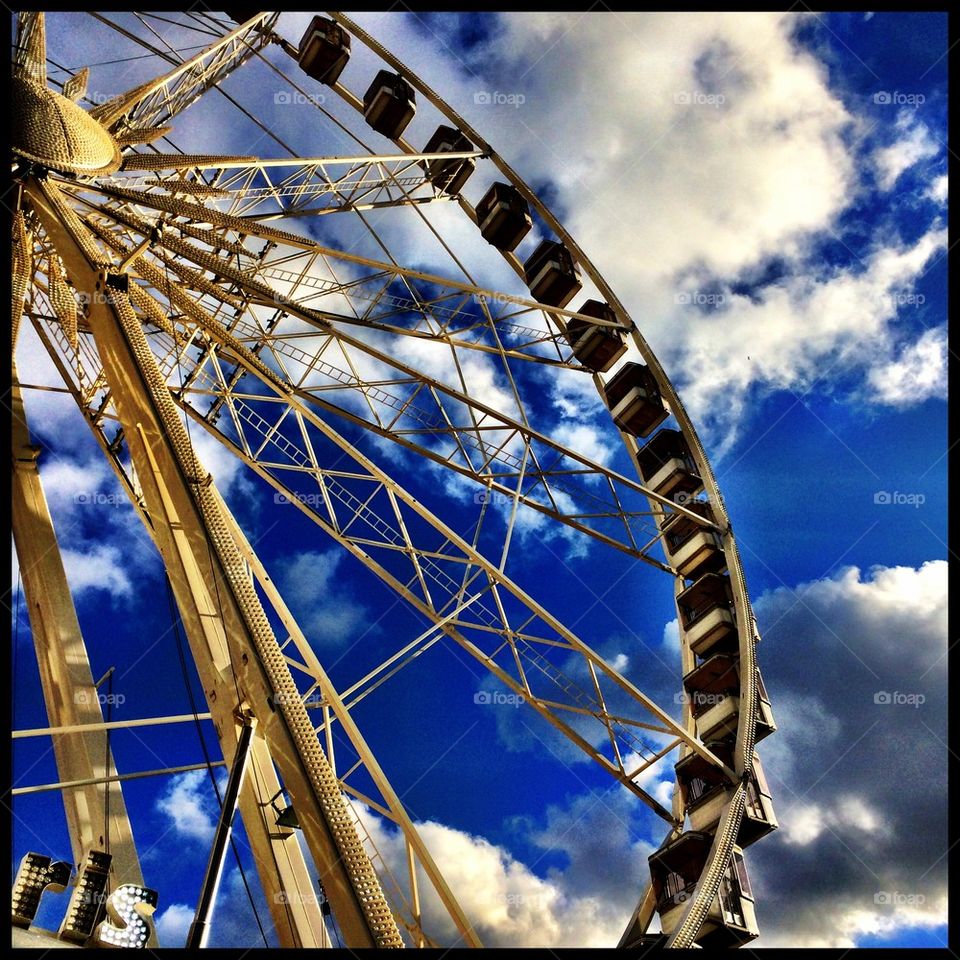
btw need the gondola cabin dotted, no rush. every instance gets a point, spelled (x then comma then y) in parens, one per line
(707, 616)
(709, 790)
(597, 347)
(666, 465)
(551, 274)
(634, 399)
(503, 216)
(324, 50)
(389, 104)
(689, 546)
(449, 176)
(765, 722)
(713, 691)
(674, 871)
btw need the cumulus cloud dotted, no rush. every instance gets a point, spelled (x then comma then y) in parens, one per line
(103, 543)
(189, 804)
(938, 189)
(323, 605)
(234, 923)
(586, 901)
(173, 925)
(101, 567)
(858, 763)
(586, 440)
(803, 333)
(724, 151)
(726, 126)
(805, 823)
(913, 144)
(671, 634)
(917, 374)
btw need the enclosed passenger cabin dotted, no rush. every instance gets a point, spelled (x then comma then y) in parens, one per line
(389, 104)
(666, 465)
(324, 50)
(596, 347)
(674, 871)
(551, 274)
(765, 722)
(713, 689)
(709, 790)
(707, 615)
(503, 216)
(691, 547)
(449, 175)
(634, 399)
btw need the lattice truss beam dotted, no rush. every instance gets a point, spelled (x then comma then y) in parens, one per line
(330, 339)
(159, 100)
(250, 187)
(372, 294)
(468, 598)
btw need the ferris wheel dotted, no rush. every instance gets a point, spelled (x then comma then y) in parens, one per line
(275, 305)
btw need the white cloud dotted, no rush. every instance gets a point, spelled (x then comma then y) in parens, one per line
(724, 181)
(102, 540)
(189, 803)
(325, 609)
(917, 374)
(585, 440)
(587, 902)
(671, 634)
(173, 925)
(101, 567)
(804, 823)
(938, 189)
(857, 776)
(872, 613)
(804, 331)
(688, 193)
(914, 144)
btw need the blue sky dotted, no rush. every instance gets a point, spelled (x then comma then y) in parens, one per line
(793, 167)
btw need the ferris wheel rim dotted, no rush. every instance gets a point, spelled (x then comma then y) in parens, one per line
(746, 628)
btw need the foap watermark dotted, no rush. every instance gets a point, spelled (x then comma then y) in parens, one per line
(85, 298)
(699, 298)
(281, 299)
(899, 699)
(896, 498)
(904, 298)
(83, 697)
(521, 899)
(897, 98)
(697, 98)
(307, 499)
(283, 98)
(497, 698)
(101, 499)
(284, 896)
(498, 98)
(89, 897)
(492, 299)
(684, 499)
(493, 497)
(700, 698)
(896, 898)
(312, 699)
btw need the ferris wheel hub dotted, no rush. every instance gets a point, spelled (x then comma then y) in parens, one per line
(50, 130)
